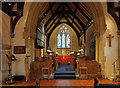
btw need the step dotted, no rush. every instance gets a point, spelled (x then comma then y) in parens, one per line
(64, 77)
(65, 72)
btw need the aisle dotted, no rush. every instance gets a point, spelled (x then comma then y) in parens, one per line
(64, 71)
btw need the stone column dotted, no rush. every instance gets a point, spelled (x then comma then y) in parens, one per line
(27, 68)
(97, 35)
(32, 41)
(119, 52)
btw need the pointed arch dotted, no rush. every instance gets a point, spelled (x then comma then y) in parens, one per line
(63, 38)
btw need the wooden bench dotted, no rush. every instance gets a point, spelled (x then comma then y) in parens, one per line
(97, 85)
(93, 68)
(22, 85)
(19, 86)
(36, 68)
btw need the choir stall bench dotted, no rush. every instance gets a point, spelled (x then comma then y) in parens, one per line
(38, 68)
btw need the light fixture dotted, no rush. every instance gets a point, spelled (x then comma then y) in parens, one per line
(9, 4)
(49, 50)
(80, 50)
(78, 54)
(57, 53)
(71, 52)
(50, 54)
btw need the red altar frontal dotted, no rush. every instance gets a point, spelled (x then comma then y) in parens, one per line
(63, 59)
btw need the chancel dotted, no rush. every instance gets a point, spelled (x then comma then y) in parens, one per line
(60, 44)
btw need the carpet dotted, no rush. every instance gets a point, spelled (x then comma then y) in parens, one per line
(64, 71)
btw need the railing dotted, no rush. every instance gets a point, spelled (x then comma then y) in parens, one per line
(116, 66)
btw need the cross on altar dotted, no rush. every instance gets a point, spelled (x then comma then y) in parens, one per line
(109, 39)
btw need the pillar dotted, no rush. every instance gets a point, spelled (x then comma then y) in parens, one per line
(97, 35)
(27, 68)
(119, 52)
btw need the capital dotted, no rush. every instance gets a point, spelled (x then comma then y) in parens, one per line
(12, 35)
(118, 33)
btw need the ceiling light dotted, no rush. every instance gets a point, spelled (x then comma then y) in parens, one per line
(4, 0)
(9, 4)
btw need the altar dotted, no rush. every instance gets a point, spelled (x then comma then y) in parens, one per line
(63, 59)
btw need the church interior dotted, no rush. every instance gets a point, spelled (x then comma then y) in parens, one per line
(60, 44)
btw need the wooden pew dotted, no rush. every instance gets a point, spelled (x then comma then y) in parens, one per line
(20, 86)
(36, 68)
(93, 70)
(97, 85)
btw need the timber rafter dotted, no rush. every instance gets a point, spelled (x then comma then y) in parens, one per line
(112, 9)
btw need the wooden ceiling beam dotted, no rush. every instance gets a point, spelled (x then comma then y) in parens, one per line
(55, 26)
(50, 7)
(72, 26)
(74, 22)
(53, 22)
(75, 14)
(85, 8)
(112, 9)
(84, 14)
(72, 13)
(54, 14)
(19, 14)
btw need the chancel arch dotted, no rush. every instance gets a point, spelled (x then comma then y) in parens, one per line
(98, 22)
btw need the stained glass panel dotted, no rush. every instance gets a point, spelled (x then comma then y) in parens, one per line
(59, 41)
(63, 39)
(68, 40)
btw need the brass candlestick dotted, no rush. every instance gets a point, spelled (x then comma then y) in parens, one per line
(10, 59)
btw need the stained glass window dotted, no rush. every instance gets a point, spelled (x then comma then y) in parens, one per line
(59, 40)
(68, 40)
(63, 38)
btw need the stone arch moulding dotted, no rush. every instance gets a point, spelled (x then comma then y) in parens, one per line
(96, 9)
(36, 9)
(33, 15)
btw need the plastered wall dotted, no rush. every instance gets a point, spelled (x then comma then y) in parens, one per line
(5, 43)
(18, 67)
(110, 53)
